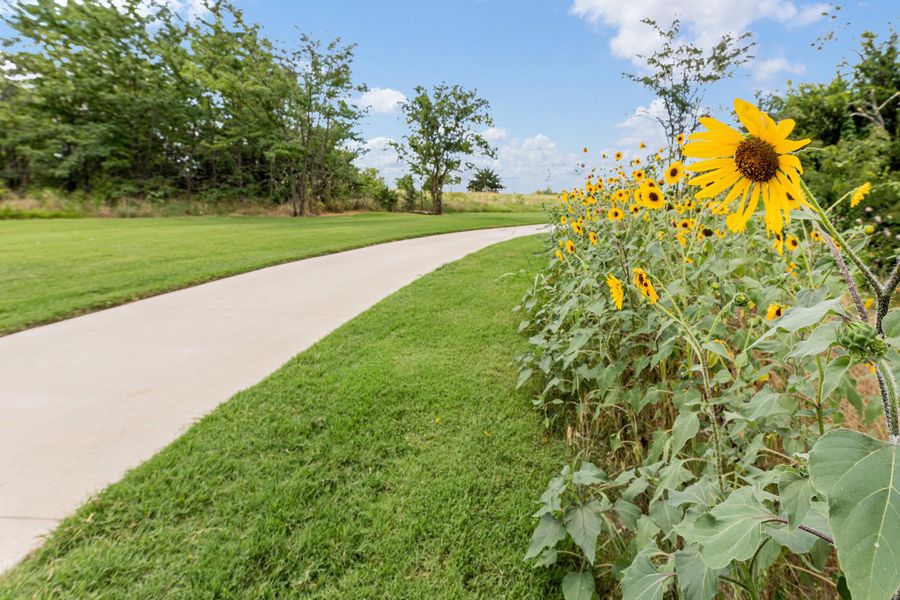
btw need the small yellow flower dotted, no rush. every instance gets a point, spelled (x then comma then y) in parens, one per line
(642, 145)
(815, 236)
(674, 173)
(720, 233)
(615, 214)
(643, 283)
(868, 230)
(860, 193)
(618, 156)
(616, 293)
(792, 243)
(775, 311)
(869, 303)
(563, 220)
(559, 255)
(679, 139)
(570, 246)
(651, 197)
(585, 150)
(778, 243)
(638, 174)
(593, 237)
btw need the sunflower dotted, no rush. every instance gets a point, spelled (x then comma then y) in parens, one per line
(778, 244)
(618, 156)
(792, 243)
(638, 174)
(679, 139)
(651, 197)
(563, 220)
(585, 150)
(616, 293)
(860, 193)
(643, 283)
(570, 246)
(615, 214)
(635, 209)
(593, 237)
(775, 311)
(559, 255)
(674, 173)
(577, 227)
(720, 233)
(758, 164)
(642, 145)
(815, 236)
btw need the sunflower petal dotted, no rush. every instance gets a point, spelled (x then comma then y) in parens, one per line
(709, 150)
(790, 145)
(749, 116)
(709, 165)
(719, 186)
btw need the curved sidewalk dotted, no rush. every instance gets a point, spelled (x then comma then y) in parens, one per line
(84, 400)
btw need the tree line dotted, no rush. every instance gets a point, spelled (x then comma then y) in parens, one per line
(132, 100)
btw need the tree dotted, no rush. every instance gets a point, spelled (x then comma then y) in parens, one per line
(442, 138)
(680, 72)
(485, 180)
(407, 185)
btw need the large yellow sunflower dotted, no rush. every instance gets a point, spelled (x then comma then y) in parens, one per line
(752, 165)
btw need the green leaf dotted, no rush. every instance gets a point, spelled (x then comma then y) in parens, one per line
(767, 404)
(796, 493)
(641, 580)
(834, 371)
(891, 326)
(589, 474)
(804, 316)
(860, 478)
(524, 375)
(578, 586)
(547, 534)
(695, 579)
(583, 524)
(818, 341)
(685, 427)
(731, 530)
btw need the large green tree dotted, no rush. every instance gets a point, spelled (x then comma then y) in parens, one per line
(443, 139)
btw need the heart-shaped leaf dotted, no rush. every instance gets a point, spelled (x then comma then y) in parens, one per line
(860, 478)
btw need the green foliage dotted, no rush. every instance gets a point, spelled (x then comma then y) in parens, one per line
(407, 186)
(485, 180)
(442, 138)
(126, 99)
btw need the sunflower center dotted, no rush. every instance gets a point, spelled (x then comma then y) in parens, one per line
(756, 159)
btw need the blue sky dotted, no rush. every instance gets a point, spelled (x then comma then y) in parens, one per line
(551, 69)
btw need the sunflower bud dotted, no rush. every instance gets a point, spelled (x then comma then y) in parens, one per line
(861, 341)
(869, 230)
(741, 299)
(714, 285)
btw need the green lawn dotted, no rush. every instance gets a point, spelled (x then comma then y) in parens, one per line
(394, 459)
(56, 268)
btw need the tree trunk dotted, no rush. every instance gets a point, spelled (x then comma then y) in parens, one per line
(293, 179)
(436, 196)
(303, 193)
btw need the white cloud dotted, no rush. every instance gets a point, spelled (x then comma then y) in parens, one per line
(524, 164)
(704, 21)
(379, 154)
(764, 71)
(494, 134)
(382, 100)
(642, 126)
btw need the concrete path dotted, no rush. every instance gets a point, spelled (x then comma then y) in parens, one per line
(84, 400)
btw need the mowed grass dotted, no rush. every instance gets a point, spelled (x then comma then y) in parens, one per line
(56, 268)
(393, 459)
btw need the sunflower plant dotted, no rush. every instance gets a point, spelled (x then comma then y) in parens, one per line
(730, 401)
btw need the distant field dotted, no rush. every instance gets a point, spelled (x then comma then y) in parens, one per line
(487, 202)
(51, 269)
